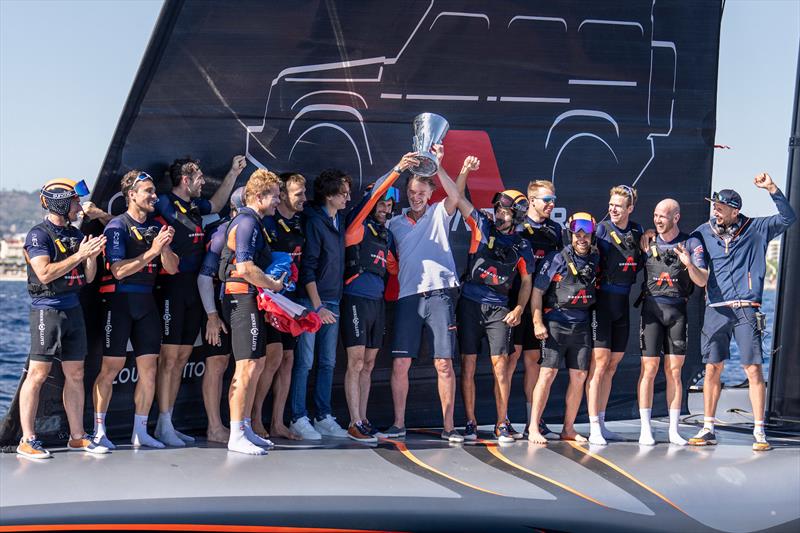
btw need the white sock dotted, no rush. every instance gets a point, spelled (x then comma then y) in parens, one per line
(252, 437)
(238, 442)
(758, 427)
(182, 436)
(165, 432)
(100, 431)
(708, 423)
(646, 434)
(674, 436)
(595, 432)
(140, 436)
(607, 433)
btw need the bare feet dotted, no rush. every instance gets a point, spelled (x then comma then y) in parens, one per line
(260, 430)
(220, 434)
(536, 438)
(573, 436)
(283, 431)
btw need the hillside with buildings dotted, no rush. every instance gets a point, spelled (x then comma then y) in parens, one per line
(19, 211)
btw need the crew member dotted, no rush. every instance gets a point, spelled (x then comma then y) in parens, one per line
(60, 261)
(497, 256)
(215, 334)
(320, 288)
(618, 242)
(286, 226)
(241, 267)
(427, 279)
(137, 246)
(562, 294)
(735, 247)
(369, 256)
(544, 236)
(673, 266)
(179, 300)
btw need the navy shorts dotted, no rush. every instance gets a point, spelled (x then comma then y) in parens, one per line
(432, 312)
(181, 309)
(362, 321)
(611, 321)
(662, 329)
(722, 323)
(478, 321)
(58, 333)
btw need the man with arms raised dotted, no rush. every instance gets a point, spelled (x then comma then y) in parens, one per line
(61, 261)
(177, 295)
(427, 277)
(562, 294)
(137, 247)
(618, 242)
(735, 248)
(674, 264)
(244, 258)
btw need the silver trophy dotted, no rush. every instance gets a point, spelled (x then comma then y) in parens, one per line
(429, 129)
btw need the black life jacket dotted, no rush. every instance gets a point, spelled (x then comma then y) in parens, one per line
(543, 239)
(189, 235)
(494, 263)
(139, 241)
(575, 289)
(234, 284)
(72, 281)
(289, 236)
(666, 275)
(620, 263)
(370, 254)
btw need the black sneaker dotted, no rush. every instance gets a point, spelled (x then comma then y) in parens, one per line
(514, 433)
(369, 427)
(543, 429)
(392, 432)
(452, 436)
(471, 431)
(502, 434)
(704, 437)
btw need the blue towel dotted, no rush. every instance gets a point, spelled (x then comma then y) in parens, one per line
(281, 262)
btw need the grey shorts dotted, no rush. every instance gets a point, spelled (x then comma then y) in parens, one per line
(432, 312)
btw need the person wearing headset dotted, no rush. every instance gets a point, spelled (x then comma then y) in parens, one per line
(60, 262)
(563, 292)
(735, 248)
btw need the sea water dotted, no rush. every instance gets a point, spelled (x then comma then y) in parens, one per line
(15, 340)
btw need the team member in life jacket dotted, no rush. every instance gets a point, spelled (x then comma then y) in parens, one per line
(497, 256)
(61, 260)
(286, 225)
(368, 258)
(621, 259)
(563, 292)
(544, 236)
(179, 300)
(215, 333)
(674, 264)
(246, 254)
(735, 247)
(137, 247)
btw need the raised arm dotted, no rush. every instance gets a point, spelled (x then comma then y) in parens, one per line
(776, 224)
(455, 190)
(223, 193)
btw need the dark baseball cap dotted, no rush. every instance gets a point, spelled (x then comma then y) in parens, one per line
(728, 197)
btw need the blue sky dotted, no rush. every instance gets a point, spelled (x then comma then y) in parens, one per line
(66, 68)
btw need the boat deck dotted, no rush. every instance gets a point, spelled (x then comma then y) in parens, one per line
(421, 483)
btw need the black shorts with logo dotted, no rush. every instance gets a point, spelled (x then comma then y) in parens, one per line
(569, 344)
(611, 321)
(362, 321)
(58, 333)
(662, 328)
(181, 308)
(522, 334)
(224, 346)
(476, 321)
(250, 333)
(134, 316)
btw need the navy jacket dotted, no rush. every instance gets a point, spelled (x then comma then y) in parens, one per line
(323, 254)
(737, 269)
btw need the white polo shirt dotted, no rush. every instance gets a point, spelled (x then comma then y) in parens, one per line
(423, 250)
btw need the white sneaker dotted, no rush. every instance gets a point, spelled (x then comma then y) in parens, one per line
(330, 428)
(302, 428)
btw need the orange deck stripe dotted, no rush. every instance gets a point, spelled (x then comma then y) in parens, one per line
(413, 458)
(624, 473)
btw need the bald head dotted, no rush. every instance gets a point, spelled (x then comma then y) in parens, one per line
(666, 216)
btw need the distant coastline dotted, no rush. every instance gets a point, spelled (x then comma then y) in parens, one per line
(13, 277)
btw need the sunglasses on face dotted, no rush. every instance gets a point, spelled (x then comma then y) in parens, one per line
(586, 226)
(549, 199)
